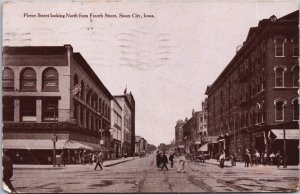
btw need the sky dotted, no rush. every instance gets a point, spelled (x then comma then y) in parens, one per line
(166, 61)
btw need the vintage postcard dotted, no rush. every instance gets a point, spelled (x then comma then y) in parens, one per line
(150, 96)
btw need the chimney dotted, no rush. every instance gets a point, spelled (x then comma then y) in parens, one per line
(69, 52)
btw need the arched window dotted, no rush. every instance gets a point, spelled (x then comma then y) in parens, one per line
(279, 46)
(102, 111)
(295, 43)
(88, 97)
(76, 87)
(50, 80)
(8, 79)
(100, 105)
(295, 70)
(279, 76)
(279, 110)
(295, 103)
(94, 101)
(82, 91)
(28, 80)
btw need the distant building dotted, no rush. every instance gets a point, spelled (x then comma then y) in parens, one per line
(255, 97)
(141, 145)
(116, 126)
(179, 141)
(127, 104)
(50, 93)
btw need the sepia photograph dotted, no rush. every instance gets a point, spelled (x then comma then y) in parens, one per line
(125, 96)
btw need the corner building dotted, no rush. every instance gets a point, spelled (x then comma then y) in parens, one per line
(255, 97)
(50, 93)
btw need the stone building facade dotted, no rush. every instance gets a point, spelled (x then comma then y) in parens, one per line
(127, 104)
(255, 97)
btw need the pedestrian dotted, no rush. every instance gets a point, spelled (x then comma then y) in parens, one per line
(265, 158)
(62, 161)
(181, 164)
(171, 158)
(99, 161)
(164, 161)
(222, 160)
(278, 158)
(158, 159)
(247, 158)
(257, 158)
(7, 171)
(272, 158)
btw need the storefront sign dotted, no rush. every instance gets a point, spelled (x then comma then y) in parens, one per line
(211, 139)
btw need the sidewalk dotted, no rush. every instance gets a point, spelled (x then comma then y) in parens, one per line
(242, 165)
(106, 163)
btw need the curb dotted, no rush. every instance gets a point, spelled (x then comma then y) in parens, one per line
(108, 165)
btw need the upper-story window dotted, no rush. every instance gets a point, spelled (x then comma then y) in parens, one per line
(295, 70)
(295, 103)
(28, 80)
(279, 109)
(88, 97)
(82, 91)
(295, 43)
(279, 75)
(75, 85)
(50, 80)
(8, 80)
(279, 46)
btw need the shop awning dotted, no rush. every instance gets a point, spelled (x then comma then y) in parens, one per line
(96, 147)
(46, 144)
(32, 144)
(70, 144)
(203, 148)
(197, 142)
(289, 133)
(181, 146)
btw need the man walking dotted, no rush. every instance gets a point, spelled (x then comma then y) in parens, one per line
(171, 157)
(99, 160)
(158, 159)
(164, 161)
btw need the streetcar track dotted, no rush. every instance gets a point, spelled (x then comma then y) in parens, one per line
(225, 183)
(170, 186)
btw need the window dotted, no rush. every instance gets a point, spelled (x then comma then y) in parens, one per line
(28, 109)
(8, 109)
(279, 76)
(50, 80)
(100, 105)
(87, 118)
(81, 116)
(295, 103)
(279, 46)
(88, 97)
(49, 110)
(28, 80)
(82, 91)
(75, 111)
(295, 70)
(8, 79)
(76, 88)
(295, 43)
(279, 110)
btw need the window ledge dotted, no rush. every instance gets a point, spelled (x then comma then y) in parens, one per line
(279, 56)
(279, 120)
(285, 87)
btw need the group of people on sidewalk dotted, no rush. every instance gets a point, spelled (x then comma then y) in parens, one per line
(253, 159)
(256, 158)
(162, 161)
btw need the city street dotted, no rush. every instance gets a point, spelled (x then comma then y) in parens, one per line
(141, 175)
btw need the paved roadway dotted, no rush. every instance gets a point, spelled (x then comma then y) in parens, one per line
(141, 175)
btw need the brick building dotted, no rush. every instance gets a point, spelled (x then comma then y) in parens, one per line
(50, 93)
(255, 97)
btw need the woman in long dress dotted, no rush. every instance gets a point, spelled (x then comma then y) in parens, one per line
(181, 163)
